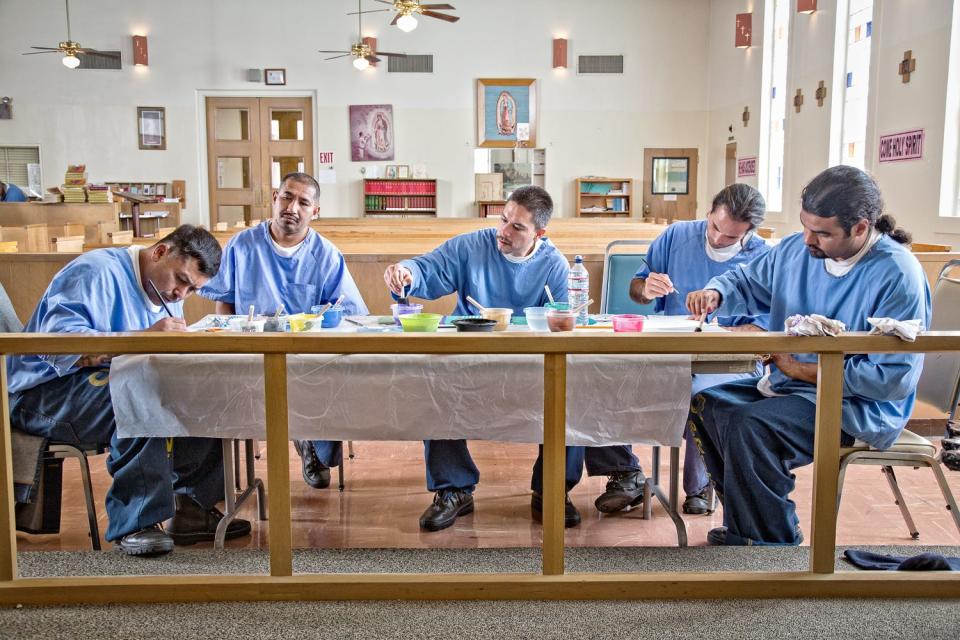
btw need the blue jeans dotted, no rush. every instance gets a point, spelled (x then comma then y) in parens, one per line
(329, 452)
(77, 409)
(751, 444)
(450, 466)
(605, 461)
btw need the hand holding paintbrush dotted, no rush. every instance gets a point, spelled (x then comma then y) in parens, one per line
(171, 322)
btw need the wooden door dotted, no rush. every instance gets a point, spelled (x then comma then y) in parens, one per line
(251, 143)
(676, 198)
(730, 165)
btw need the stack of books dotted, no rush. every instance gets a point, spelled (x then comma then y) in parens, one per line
(99, 193)
(74, 182)
(53, 195)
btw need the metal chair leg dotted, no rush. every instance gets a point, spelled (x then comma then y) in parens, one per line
(898, 497)
(236, 468)
(947, 494)
(88, 496)
(249, 446)
(350, 449)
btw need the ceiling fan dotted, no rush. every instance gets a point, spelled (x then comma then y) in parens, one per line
(406, 8)
(362, 53)
(70, 48)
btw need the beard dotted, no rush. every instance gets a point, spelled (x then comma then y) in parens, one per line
(816, 252)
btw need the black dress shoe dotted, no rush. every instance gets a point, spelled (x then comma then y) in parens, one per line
(571, 517)
(624, 490)
(698, 503)
(315, 473)
(448, 505)
(149, 541)
(192, 523)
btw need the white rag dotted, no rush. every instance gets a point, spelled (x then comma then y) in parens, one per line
(903, 329)
(813, 325)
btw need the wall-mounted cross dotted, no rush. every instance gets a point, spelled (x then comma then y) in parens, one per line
(907, 66)
(798, 100)
(745, 115)
(821, 94)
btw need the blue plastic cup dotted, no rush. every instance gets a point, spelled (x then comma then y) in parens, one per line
(331, 317)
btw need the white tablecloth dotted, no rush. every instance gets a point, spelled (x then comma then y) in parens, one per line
(610, 399)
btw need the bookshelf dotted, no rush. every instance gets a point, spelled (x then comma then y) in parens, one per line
(392, 197)
(604, 197)
(490, 208)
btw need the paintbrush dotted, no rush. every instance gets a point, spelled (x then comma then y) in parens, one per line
(476, 304)
(581, 307)
(403, 299)
(250, 314)
(650, 269)
(699, 328)
(160, 297)
(276, 316)
(546, 288)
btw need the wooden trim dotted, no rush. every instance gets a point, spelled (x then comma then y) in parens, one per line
(826, 462)
(554, 460)
(8, 528)
(587, 342)
(503, 586)
(278, 464)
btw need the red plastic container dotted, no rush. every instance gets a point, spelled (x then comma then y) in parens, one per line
(627, 323)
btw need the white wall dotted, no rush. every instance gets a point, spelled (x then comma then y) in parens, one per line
(911, 189)
(589, 125)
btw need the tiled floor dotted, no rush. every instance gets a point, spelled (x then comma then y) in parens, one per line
(385, 495)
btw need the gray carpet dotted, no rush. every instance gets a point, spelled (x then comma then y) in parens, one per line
(755, 619)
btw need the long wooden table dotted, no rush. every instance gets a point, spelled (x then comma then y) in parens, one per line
(552, 583)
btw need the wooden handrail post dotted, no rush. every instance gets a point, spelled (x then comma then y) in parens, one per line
(278, 463)
(8, 520)
(826, 462)
(554, 459)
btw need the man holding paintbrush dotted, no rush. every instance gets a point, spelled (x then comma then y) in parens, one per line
(285, 263)
(502, 267)
(67, 397)
(682, 259)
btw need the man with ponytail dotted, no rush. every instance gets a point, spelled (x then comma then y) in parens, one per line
(849, 264)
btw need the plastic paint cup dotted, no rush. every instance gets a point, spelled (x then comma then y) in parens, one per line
(404, 309)
(561, 320)
(501, 315)
(627, 323)
(537, 318)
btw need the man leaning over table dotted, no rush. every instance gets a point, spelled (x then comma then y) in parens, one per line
(506, 267)
(848, 264)
(67, 397)
(284, 261)
(683, 259)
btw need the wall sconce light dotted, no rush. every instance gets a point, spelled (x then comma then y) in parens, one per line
(140, 51)
(559, 53)
(806, 6)
(371, 42)
(744, 32)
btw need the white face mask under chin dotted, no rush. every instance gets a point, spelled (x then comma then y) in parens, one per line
(726, 253)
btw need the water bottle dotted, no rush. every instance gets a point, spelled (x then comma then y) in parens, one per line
(578, 288)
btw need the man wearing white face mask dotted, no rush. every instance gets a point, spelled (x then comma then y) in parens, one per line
(682, 259)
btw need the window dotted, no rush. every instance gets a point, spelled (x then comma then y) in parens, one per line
(774, 101)
(855, 81)
(949, 208)
(21, 166)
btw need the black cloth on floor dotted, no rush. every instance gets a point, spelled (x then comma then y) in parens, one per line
(881, 562)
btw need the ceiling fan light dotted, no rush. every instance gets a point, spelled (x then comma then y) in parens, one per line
(361, 63)
(71, 61)
(407, 23)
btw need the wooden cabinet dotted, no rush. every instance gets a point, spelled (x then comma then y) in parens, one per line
(604, 197)
(400, 197)
(153, 216)
(490, 208)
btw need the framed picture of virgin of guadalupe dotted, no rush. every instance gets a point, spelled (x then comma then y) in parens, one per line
(502, 105)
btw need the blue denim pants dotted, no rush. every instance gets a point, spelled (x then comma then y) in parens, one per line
(751, 444)
(450, 466)
(77, 409)
(329, 452)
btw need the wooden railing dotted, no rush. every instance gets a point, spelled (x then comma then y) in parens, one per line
(819, 581)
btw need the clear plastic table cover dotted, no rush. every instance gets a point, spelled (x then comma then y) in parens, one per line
(611, 399)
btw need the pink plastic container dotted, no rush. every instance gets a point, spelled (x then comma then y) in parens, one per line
(627, 323)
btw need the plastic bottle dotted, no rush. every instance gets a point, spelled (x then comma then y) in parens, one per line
(578, 289)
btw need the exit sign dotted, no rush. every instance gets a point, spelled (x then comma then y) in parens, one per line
(326, 157)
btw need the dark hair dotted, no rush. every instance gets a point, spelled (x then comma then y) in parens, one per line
(744, 203)
(850, 195)
(304, 178)
(537, 201)
(197, 243)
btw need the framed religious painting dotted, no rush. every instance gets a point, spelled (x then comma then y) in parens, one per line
(371, 132)
(152, 128)
(506, 112)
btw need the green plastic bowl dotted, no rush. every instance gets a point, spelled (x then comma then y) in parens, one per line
(422, 322)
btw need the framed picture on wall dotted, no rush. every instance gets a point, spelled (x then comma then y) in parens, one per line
(506, 107)
(275, 76)
(152, 128)
(371, 132)
(390, 172)
(403, 171)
